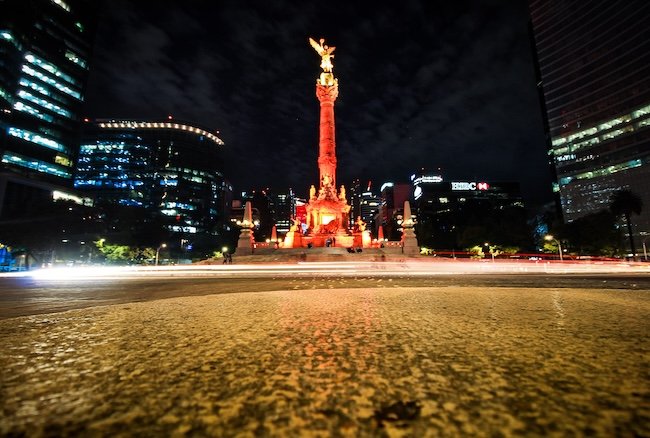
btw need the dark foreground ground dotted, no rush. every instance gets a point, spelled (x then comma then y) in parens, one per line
(481, 355)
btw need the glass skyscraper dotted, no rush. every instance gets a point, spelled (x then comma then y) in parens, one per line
(593, 61)
(45, 47)
(171, 169)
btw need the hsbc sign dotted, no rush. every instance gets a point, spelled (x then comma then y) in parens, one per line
(471, 186)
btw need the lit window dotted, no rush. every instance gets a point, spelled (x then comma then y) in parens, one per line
(7, 36)
(613, 134)
(182, 229)
(626, 118)
(50, 68)
(75, 58)
(34, 86)
(61, 4)
(641, 112)
(63, 160)
(48, 80)
(44, 103)
(586, 143)
(558, 141)
(602, 172)
(40, 166)
(36, 138)
(19, 106)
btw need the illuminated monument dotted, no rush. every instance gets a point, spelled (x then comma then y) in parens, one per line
(327, 209)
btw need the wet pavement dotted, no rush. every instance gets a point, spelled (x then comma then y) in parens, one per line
(399, 361)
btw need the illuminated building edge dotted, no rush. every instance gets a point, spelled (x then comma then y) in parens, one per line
(160, 125)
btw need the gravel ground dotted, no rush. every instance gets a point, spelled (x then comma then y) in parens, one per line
(403, 361)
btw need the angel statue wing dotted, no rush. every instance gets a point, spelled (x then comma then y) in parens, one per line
(325, 53)
(319, 49)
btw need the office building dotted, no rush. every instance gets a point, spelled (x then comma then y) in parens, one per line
(593, 60)
(461, 214)
(171, 169)
(45, 47)
(369, 204)
(271, 208)
(355, 191)
(393, 196)
(283, 210)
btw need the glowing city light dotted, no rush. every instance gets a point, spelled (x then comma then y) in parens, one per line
(156, 125)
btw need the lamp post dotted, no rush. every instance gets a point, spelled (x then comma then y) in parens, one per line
(487, 246)
(164, 245)
(559, 245)
(645, 251)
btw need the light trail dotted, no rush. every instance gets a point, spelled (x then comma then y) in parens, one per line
(419, 268)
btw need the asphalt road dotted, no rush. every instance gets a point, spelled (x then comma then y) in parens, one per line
(20, 296)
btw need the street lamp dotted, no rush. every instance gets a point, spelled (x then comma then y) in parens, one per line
(164, 245)
(559, 245)
(487, 246)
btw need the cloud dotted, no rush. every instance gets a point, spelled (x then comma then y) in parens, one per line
(439, 85)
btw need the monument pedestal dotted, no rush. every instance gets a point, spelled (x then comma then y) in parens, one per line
(293, 239)
(245, 242)
(410, 243)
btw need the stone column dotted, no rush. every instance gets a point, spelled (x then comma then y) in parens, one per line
(327, 94)
(246, 239)
(409, 242)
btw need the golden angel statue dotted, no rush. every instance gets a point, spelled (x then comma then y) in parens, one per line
(325, 53)
(360, 224)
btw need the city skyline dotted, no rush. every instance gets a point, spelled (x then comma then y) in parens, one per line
(420, 87)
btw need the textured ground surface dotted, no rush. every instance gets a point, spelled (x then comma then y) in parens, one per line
(451, 361)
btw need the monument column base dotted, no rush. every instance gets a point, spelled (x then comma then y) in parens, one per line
(245, 243)
(410, 243)
(293, 239)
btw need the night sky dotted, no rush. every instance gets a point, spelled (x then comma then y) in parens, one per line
(433, 84)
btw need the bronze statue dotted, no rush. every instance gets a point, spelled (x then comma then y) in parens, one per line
(325, 53)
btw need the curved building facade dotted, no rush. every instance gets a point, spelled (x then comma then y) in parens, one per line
(593, 60)
(172, 169)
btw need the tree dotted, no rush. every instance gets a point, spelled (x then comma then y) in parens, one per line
(624, 203)
(593, 234)
(115, 253)
(125, 253)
